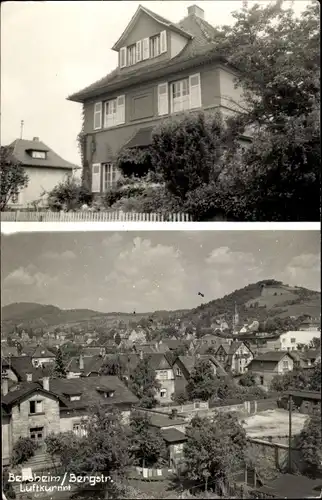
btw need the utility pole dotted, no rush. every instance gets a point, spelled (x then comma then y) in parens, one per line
(290, 406)
(21, 128)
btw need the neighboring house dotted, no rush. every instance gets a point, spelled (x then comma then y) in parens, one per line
(310, 324)
(41, 356)
(84, 366)
(45, 169)
(183, 366)
(20, 369)
(163, 421)
(174, 440)
(93, 351)
(266, 366)
(38, 409)
(164, 69)
(310, 358)
(235, 356)
(289, 341)
(164, 375)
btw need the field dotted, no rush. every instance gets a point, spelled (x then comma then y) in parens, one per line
(273, 423)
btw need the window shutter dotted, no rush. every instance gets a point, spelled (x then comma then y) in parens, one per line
(120, 109)
(97, 115)
(96, 177)
(122, 57)
(195, 91)
(163, 100)
(163, 44)
(146, 48)
(139, 51)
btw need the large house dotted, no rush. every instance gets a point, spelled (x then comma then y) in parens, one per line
(44, 167)
(267, 365)
(37, 409)
(164, 68)
(235, 356)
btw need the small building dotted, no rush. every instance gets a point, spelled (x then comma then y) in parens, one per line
(44, 167)
(235, 357)
(37, 409)
(266, 366)
(175, 441)
(42, 355)
(183, 366)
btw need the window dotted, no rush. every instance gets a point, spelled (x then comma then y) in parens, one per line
(285, 364)
(97, 115)
(75, 398)
(79, 430)
(139, 51)
(110, 117)
(163, 102)
(163, 393)
(179, 372)
(41, 155)
(163, 375)
(155, 46)
(293, 340)
(36, 433)
(131, 55)
(262, 380)
(35, 407)
(114, 112)
(146, 48)
(180, 95)
(109, 176)
(96, 177)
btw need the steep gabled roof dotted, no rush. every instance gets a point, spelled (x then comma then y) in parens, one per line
(53, 160)
(42, 352)
(24, 390)
(21, 366)
(272, 356)
(200, 49)
(159, 19)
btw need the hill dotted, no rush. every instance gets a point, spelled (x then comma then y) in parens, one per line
(257, 301)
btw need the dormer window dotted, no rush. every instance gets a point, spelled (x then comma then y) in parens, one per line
(155, 46)
(109, 394)
(75, 397)
(131, 55)
(39, 155)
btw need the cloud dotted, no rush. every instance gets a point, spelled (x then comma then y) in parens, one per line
(304, 270)
(223, 256)
(28, 276)
(67, 255)
(150, 274)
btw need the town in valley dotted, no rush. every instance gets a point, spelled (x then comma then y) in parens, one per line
(213, 398)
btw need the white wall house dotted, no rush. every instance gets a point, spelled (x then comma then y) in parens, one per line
(289, 341)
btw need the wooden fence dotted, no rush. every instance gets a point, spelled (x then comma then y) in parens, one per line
(116, 216)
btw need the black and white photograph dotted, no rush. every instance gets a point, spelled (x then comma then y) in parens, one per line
(160, 111)
(172, 364)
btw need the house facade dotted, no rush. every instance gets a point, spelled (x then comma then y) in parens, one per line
(290, 340)
(164, 69)
(235, 357)
(37, 409)
(266, 366)
(44, 168)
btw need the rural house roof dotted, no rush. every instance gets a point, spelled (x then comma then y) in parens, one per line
(42, 352)
(189, 362)
(272, 356)
(173, 436)
(92, 364)
(22, 147)
(162, 420)
(153, 15)
(292, 486)
(200, 49)
(21, 365)
(24, 390)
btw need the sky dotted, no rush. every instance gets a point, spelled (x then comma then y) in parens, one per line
(50, 50)
(151, 270)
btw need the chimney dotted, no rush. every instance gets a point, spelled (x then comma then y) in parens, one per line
(173, 414)
(36, 139)
(29, 377)
(4, 385)
(81, 362)
(197, 11)
(45, 383)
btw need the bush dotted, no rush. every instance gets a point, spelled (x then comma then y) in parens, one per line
(23, 449)
(69, 195)
(180, 398)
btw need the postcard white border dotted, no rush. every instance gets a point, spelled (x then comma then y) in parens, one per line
(30, 227)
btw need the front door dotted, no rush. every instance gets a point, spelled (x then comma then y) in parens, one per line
(37, 435)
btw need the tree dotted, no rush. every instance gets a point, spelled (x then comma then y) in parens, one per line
(13, 177)
(214, 448)
(247, 380)
(69, 194)
(315, 343)
(310, 444)
(59, 370)
(143, 384)
(114, 366)
(147, 446)
(298, 379)
(202, 382)
(62, 447)
(278, 55)
(23, 449)
(188, 154)
(315, 378)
